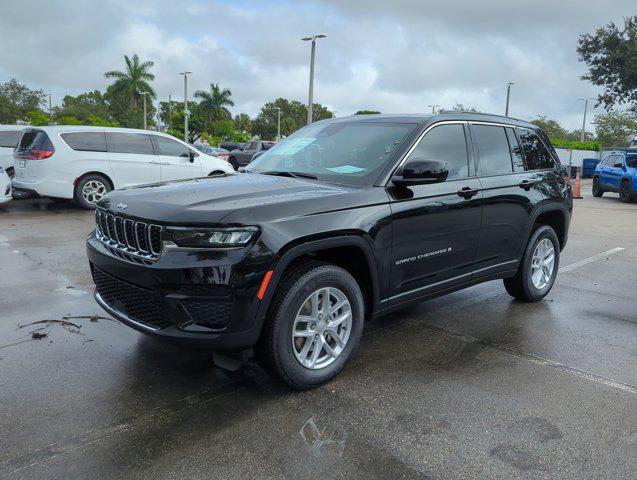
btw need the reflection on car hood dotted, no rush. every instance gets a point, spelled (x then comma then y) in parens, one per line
(209, 200)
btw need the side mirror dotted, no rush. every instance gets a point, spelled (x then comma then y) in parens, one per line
(420, 171)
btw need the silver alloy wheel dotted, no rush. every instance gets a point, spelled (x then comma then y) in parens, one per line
(322, 328)
(93, 190)
(542, 263)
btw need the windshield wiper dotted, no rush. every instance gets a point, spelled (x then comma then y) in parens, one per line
(286, 173)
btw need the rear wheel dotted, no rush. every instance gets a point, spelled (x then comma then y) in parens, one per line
(90, 189)
(314, 325)
(625, 192)
(538, 268)
(597, 188)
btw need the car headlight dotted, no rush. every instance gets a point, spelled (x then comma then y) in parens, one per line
(213, 238)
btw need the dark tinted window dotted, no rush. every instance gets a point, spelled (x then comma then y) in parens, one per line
(536, 154)
(447, 143)
(631, 161)
(493, 149)
(10, 138)
(166, 146)
(86, 141)
(516, 151)
(129, 143)
(35, 140)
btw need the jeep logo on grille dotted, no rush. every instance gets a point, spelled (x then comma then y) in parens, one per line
(122, 206)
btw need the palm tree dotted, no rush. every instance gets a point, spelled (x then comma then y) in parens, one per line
(242, 122)
(134, 80)
(213, 103)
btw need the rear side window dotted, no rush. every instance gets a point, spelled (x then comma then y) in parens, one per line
(85, 141)
(536, 154)
(516, 151)
(166, 146)
(138, 143)
(631, 161)
(446, 143)
(493, 149)
(35, 140)
(10, 138)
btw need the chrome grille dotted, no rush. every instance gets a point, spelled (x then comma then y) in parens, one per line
(137, 240)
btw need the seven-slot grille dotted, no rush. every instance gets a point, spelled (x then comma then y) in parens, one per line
(130, 239)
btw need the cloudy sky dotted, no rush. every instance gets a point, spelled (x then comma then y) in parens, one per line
(393, 56)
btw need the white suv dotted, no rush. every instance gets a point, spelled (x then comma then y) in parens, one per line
(84, 163)
(9, 136)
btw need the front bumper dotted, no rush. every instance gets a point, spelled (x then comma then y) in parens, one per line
(204, 299)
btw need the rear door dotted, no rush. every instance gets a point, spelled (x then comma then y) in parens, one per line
(508, 197)
(436, 227)
(176, 160)
(133, 160)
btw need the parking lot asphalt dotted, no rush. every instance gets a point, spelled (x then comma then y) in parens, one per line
(471, 385)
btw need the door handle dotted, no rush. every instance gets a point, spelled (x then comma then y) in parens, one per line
(467, 192)
(526, 185)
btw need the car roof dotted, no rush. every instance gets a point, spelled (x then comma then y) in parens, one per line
(90, 128)
(426, 118)
(14, 127)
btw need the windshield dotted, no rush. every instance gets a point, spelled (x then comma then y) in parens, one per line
(353, 153)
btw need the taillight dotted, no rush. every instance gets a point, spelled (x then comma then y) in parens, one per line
(33, 154)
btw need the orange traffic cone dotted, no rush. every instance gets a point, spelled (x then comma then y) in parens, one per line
(576, 185)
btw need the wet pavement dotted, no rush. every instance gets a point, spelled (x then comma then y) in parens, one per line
(471, 385)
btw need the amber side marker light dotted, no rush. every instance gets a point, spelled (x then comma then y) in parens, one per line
(264, 284)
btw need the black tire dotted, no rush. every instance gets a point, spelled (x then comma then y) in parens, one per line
(78, 196)
(521, 286)
(625, 192)
(275, 351)
(216, 172)
(597, 188)
(10, 172)
(233, 161)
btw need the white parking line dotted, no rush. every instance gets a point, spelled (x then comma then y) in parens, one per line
(599, 256)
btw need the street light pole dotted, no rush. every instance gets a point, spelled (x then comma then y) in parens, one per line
(50, 110)
(186, 112)
(278, 123)
(506, 111)
(582, 135)
(144, 94)
(310, 99)
(433, 108)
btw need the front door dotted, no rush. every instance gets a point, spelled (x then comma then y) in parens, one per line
(436, 227)
(176, 160)
(615, 171)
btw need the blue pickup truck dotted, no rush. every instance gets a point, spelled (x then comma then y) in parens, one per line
(617, 172)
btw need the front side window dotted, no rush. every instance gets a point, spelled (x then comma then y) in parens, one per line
(494, 154)
(447, 143)
(536, 154)
(10, 138)
(171, 148)
(85, 141)
(349, 152)
(138, 143)
(618, 161)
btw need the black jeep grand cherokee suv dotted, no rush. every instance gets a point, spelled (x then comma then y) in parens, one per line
(346, 219)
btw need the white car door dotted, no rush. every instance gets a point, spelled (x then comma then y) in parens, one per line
(178, 160)
(133, 160)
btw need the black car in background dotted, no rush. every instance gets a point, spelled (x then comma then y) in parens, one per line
(243, 155)
(344, 220)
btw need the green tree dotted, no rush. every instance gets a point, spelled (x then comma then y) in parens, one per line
(242, 122)
(552, 128)
(459, 107)
(615, 129)
(214, 102)
(611, 57)
(16, 100)
(293, 116)
(133, 80)
(69, 120)
(367, 112)
(84, 107)
(37, 118)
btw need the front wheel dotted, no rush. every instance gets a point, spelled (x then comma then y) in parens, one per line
(538, 268)
(597, 188)
(90, 189)
(625, 192)
(314, 325)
